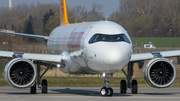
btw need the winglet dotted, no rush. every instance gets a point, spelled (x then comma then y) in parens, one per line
(63, 19)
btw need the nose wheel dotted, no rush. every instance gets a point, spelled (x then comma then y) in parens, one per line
(110, 91)
(106, 91)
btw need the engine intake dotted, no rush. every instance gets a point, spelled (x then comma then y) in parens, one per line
(20, 73)
(160, 73)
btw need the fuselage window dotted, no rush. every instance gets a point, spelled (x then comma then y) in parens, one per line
(109, 38)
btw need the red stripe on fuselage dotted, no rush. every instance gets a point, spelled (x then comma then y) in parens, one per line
(70, 40)
(79, 39)
(74, 40)
(64, 40)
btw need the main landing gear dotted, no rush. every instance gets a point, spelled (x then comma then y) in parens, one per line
(131, 84)
(43, 85)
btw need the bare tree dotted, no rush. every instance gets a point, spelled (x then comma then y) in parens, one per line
(172, 7)
(78, 11)
(96, 13)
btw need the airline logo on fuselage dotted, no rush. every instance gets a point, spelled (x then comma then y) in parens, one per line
(74, 40)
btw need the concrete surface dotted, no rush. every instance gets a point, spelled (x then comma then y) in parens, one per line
(88, 94)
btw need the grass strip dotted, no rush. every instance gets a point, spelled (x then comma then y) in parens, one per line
(87, 82)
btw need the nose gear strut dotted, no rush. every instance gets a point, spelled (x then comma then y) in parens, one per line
(106, 91)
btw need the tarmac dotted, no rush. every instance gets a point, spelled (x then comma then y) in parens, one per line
(88, 94)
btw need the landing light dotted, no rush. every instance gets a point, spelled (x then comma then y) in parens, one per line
(58, 65)
(104, 74)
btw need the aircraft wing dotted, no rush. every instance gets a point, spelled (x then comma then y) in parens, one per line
(29, 35)
(147, 56)
(32, 56)
(39, 57)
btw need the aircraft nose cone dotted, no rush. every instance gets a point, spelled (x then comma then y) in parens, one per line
(113, 57)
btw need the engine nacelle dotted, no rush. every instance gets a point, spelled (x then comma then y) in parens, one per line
(20, 73)
(160, 73)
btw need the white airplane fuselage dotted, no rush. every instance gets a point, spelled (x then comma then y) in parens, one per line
(98, 57)
(101, 47)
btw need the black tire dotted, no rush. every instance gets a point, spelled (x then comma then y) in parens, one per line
(104, 91)
(44, 86)
(110, 92)
(134, 87)
(123, 87)
(33, 89)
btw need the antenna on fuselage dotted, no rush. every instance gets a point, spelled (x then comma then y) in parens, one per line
(10, 4)
(106, 18)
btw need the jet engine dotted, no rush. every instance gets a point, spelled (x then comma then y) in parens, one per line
(160, 73)
(20, 73)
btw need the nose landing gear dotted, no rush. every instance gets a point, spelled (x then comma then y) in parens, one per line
(106, 91)
(131, 84)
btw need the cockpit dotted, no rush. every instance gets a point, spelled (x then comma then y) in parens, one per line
(109, 38)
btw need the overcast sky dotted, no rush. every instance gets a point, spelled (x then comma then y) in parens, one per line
(108, 5)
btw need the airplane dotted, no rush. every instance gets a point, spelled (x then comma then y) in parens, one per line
(100, 47)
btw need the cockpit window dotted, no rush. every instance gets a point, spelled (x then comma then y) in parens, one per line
(109, 38)
(95, 38)
(117, 38)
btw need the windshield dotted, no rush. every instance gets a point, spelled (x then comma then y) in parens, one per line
(109, 38)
